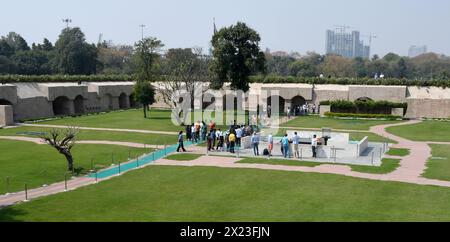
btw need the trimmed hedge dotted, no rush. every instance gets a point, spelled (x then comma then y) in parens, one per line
(360, 115)
(65, 78)
(351, 81)
(365, 107)
(256, 79)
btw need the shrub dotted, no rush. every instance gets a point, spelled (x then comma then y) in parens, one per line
(366, 107)
(360, 115)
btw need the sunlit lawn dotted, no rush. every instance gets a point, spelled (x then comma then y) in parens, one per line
(26, 162)
(438, 167)
(424, 131)
(96, 135)
(348, 124)
(159, 193)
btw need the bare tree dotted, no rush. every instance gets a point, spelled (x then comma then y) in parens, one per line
(63, 141)
(186, 76)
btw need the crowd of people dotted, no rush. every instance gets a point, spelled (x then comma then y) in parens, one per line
(216, 138)
(227, 140)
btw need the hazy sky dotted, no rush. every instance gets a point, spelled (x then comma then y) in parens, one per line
(288, 25)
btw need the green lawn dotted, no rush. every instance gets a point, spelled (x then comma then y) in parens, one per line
(41, 164)
(183, 157)
(159, 120)
(279, 162)
(387, 165)
(398, 152)
(159, 193)
(424, 131)
(438, 167)
(129, 119)
(99, 135)
(319, 122)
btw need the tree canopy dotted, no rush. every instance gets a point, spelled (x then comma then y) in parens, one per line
(236, 55)
(73, 55)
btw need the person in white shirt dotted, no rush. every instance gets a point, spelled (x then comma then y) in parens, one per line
(314, 146)
(296, 142)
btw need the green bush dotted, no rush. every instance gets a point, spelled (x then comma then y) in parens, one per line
(64, 78)
(255, 79)
(350, 81)
(361, 115)
(365, 107)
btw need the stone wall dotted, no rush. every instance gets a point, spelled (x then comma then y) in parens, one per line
(429, 108)
(6, 115)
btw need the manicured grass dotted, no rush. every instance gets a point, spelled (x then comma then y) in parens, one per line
(398, 152)
(279, 162)
(183, 157)
(159, 120)
(99, 135)
(129, 119)
(26, 162)
(424, 131)
(438, 167)
(372, 137)
(387, 165)
(349, 124)
(160, 193)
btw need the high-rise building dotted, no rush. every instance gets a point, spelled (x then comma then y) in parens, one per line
(417, 50)
(346, 44)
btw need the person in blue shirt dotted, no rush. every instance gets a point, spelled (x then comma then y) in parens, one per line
(285, 144)
(180, 142)
(255, 143)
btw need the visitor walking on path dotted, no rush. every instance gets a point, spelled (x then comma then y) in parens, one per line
(255, 143)
(314, 146)
(180, 142)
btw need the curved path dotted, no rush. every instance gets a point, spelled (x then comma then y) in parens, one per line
(410, 170)
(101, 142)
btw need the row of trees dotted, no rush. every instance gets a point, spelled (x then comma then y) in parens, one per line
(70, 54)
(426, 66)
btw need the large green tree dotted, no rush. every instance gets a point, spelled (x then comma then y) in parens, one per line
(73, 55)
(147, 54)
(237, 55)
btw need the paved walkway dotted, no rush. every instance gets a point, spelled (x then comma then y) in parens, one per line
(102, 142)
(6, 200)
(410, 170)
(102, 129)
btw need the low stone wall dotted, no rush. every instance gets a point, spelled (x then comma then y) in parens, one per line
(429, 108)
(324, 109)
(362, 146)
(6, 115)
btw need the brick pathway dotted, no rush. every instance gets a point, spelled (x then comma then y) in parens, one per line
(410, 170)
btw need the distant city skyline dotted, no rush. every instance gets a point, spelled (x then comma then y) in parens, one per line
(285, 25)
